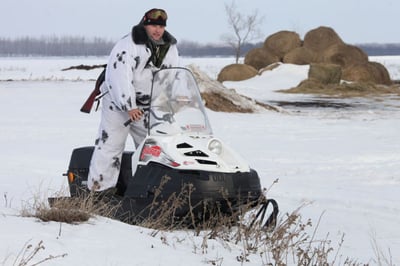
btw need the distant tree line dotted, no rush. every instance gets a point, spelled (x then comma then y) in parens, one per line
(81, 46)
(375, 49)
(54, 46)
(193, 49)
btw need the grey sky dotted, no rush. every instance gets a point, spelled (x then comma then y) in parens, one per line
(356, 21)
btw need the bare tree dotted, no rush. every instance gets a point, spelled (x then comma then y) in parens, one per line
(244, 28)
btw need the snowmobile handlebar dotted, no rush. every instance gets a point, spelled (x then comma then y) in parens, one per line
(168, 117)
(127, 122)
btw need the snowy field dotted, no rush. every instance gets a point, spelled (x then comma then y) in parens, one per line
(342, 163)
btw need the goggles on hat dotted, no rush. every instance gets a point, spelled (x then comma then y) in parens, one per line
(156, 14)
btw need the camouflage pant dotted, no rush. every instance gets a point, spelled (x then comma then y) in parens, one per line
(110, 144)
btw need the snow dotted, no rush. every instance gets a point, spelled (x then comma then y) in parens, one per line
(342, 163)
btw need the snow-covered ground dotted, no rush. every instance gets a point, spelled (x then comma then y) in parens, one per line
(344, 163)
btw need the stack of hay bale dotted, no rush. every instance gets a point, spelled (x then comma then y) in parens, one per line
(331, 60)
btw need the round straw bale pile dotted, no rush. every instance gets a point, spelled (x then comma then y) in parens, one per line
(260, 57)
(334, 59)
(282, 42)
(236, 72)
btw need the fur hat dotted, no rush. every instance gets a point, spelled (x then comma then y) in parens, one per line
(155, 16)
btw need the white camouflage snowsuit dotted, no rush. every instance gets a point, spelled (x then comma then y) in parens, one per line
(127, 86)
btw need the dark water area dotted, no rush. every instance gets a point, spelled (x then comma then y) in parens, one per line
(390, 103)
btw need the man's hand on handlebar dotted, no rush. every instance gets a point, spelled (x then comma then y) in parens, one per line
(135, 114)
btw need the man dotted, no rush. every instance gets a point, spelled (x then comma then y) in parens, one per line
(126, 91)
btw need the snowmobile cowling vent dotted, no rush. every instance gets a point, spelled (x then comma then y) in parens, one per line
(200, 161)
(183, 145)
(197, 153)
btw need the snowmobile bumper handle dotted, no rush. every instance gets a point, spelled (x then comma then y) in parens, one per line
(270, 223)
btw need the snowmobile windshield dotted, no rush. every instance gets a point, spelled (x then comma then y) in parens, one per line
(176, 105)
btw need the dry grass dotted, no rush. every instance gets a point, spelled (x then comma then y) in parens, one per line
(381, 257)
(161, 214)
(27, 255)
(292, 242)
(69, 210)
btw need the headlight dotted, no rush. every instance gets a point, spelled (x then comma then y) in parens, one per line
(215, 146)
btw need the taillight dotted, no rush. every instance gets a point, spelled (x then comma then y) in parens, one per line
(71, 177)
(150, 151)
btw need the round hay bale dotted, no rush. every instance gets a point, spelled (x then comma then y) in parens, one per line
(299, 56)
(236, 72)
(359, 72)
(344, 55)
(367, 72)
(321, 38)
(282, 42)
(383, 76)
(260, 57)
(325, 73)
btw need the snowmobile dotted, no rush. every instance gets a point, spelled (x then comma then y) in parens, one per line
(179, 156)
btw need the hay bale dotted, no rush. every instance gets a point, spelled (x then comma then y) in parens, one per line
(356, 73)
(282, 42)
(299, 56)
(344, 55)
(367, 72)
(319, 39)
(260, 57)
(307, 86)
(325, 73)
(236, 72)
(383, 76)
